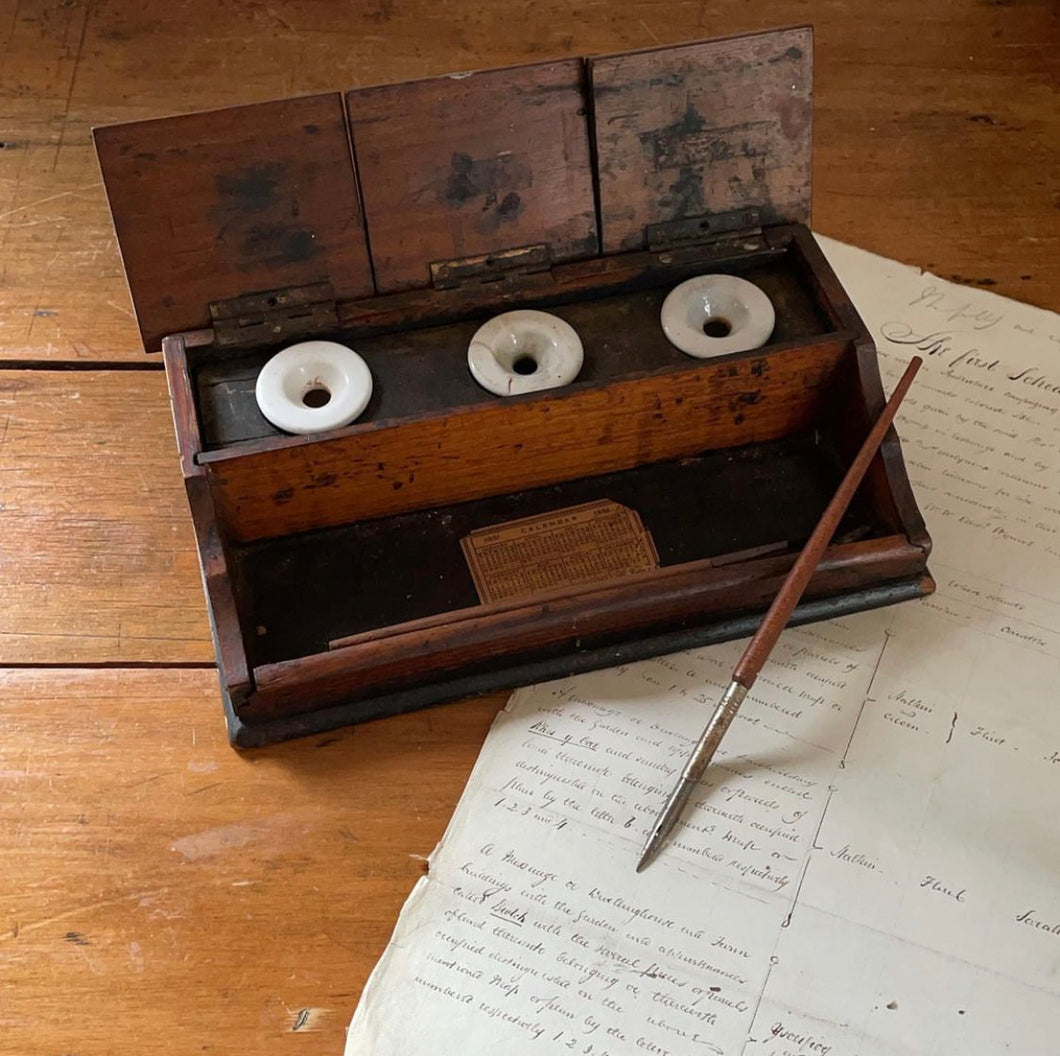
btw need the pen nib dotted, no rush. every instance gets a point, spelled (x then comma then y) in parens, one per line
(649, 851)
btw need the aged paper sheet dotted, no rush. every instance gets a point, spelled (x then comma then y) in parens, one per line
(872, 865)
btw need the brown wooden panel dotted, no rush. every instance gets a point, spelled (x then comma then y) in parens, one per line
(97, 554)
(471, 164)
(162, 894)
(211, 205)
(703, 128)
(524, 443)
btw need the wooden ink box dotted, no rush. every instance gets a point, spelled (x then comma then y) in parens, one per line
(396, 220)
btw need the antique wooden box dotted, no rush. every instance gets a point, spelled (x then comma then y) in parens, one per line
(396, 219)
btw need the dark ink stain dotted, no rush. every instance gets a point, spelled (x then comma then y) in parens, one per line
(690, 123)
(301, 1019)
(384, 12)
(667, 80)
(491, 183)
(792, 53)
(311, 129)
(398, 485)
(686, 194)
(738, 420)
(511, 206)
(284, 495)
(276, 244)
(76, 938)
(6, 144)
(892, 1005)
(758, 368)
(146, 155)
(1026, 277)
(982, 119)
(251, 191)
(460, 187)
(965, 281)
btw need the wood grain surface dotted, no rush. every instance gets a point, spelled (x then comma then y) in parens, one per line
(158, 892)
(164, 894)
(509, 445)
(209, 206)
(97, 553)
(459, 167)
(707, 129)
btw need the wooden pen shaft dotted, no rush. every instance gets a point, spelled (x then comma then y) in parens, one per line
(761, 645)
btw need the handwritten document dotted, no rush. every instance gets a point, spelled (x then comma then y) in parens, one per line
(872, 865)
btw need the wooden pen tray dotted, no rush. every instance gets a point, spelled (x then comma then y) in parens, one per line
(335, 565)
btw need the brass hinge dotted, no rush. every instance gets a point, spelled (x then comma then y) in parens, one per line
(725, 230)
(490, 267)
(274, 315)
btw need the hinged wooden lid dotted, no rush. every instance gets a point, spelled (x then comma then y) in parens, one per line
(472, 164)
(212, 205)
(703, 129)
(469, 177)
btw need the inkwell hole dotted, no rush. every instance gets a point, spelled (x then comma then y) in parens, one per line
(525, 365)
(717, 327)
(317, 396)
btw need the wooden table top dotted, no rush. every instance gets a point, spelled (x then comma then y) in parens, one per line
(160, 893)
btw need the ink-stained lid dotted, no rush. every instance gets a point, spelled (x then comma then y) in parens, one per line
(213, 205)
(544, 163)
(701, 130)
(474, 164)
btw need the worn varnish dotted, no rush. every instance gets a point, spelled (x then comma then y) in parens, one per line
(506, 446)
(249, 198)
(703, 130)
(461, 166)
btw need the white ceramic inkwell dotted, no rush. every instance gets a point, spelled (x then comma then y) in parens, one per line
(716, 315)
(313, 386)
(524, 351)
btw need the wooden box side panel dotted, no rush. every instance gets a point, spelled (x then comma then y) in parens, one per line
(523, 443)
(473, 164)
(212, 205)
(703, 128)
